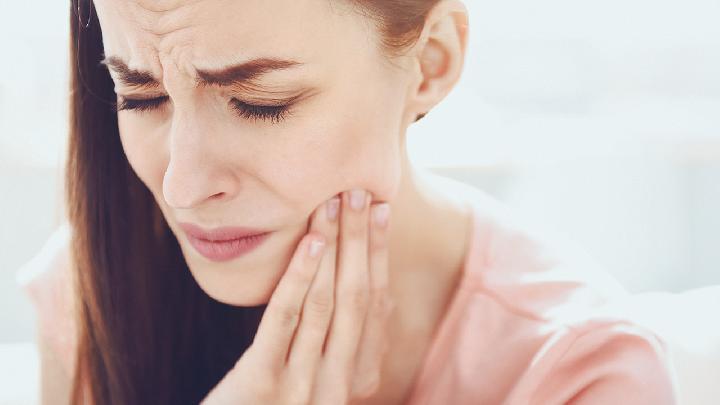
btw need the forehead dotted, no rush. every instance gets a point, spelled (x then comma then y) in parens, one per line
(206, 34)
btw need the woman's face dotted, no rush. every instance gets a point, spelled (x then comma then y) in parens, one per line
(212, 161)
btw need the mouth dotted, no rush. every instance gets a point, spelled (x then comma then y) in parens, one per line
(224, 244)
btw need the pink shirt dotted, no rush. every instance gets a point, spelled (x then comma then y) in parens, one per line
(524, 327)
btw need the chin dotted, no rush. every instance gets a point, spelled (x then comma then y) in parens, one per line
(246, 281)
(228, 296)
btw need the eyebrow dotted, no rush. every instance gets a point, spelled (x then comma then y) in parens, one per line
(242, 74)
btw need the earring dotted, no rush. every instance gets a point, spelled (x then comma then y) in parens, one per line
(420, 116)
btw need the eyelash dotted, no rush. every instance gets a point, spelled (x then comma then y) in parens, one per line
(140, 105)
(274, 113)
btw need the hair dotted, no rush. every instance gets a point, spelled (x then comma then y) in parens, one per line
(147, 333)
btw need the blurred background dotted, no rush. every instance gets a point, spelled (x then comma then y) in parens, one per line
(601, 119)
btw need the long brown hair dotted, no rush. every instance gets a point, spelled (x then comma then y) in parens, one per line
(147, 333)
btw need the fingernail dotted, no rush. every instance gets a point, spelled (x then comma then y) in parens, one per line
(357, 199)
(315, 247)
(333, 206)
(381, 212)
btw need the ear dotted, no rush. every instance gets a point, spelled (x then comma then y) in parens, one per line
(438, 57)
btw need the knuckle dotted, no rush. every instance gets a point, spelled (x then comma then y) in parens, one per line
(288, 316)
(319, 305)
(299, 276)
(356, 298)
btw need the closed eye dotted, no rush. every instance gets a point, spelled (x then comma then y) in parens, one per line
(144, 104)
(273, 113)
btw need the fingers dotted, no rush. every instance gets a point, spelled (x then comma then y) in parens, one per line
(307, 346)
(352, 285)
(282, 314)
(373, 346)
(331, 308)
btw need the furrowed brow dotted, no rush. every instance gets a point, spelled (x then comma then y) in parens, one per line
(130, 77)
(242, 74)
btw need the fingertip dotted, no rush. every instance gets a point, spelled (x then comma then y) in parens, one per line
(333, 209)
(381, 215)
(316, 243)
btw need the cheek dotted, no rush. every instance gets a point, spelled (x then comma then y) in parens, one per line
(371, 143)
(357, 145)
(344, 150)
(145, 151)
(370, 155)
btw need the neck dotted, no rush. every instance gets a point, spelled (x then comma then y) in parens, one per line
(428, 227)
(428, 243)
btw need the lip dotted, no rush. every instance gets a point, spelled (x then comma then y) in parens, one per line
(223, 244)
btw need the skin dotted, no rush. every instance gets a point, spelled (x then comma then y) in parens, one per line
(208, 166)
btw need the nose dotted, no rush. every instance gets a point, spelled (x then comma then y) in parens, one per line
(196, 171)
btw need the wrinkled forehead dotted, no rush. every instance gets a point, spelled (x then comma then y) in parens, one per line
(194, 34)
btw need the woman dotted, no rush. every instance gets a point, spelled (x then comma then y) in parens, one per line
(215, 253)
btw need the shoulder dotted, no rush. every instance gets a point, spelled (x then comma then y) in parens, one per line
(599, 361)
(47, 280)
(526, 264)
(529, 321)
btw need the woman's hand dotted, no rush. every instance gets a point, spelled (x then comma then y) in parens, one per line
(321, 341)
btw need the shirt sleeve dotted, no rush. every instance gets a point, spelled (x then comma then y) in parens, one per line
(617, 363)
